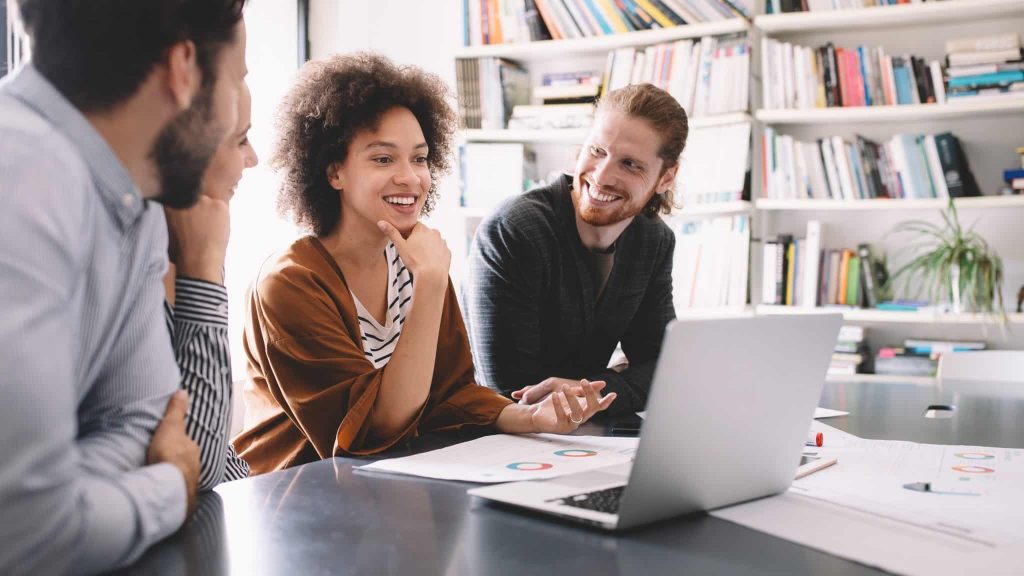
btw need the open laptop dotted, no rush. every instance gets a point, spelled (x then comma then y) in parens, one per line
(727, 418)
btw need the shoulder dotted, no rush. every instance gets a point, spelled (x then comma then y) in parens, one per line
(46, 188)
(531, 218)
(37, 158)
(655, 233)
(297, 270)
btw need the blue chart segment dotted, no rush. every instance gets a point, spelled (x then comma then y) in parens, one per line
(575, 453)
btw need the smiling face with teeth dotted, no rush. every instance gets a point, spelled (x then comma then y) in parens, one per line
(618, 171)
(386, 175)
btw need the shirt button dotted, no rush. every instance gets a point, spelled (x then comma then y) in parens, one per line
(127, 200)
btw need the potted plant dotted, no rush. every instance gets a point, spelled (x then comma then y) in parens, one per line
(952, 264)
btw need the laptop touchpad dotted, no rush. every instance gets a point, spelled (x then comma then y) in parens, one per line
(591, 478)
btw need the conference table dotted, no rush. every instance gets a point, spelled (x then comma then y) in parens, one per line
(328, 518)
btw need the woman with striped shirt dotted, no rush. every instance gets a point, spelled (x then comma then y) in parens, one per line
(354, 338)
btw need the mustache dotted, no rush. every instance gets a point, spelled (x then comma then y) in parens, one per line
(610, 190)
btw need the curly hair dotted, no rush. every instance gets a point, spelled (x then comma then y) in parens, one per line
(332, 101)
(667, 117)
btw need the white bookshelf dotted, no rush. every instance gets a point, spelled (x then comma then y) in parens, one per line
(989, 129)
(1002, 105)
(901, 15)
(561, 48)
(870, 316)
(883, 204)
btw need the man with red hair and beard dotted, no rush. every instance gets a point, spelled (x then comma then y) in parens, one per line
(559, 276)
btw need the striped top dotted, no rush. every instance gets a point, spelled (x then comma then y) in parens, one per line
(379, 341)
(198, 324)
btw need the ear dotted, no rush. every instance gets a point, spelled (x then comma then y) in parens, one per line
(334, 177)
(668, 178)
(183, 74)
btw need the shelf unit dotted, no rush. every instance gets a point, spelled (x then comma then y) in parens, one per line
(908, 27)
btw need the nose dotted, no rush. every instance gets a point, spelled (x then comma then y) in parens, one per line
(251, 159)
(602, 172)
(406, 175)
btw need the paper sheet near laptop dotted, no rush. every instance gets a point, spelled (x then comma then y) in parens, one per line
(509, 458)
(860, 510)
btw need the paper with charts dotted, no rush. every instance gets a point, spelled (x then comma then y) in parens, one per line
(866, 509)
(509, 458)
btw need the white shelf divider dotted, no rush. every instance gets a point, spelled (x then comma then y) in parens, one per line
(973, 107)
(552, 136)
(714, 313)
(901, 15)
(882, 379)
(887, 204)
(578, 135)
(866, 316)
(560, 48)
(697, 211)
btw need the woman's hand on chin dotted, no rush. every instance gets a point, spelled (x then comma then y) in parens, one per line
(424, 251)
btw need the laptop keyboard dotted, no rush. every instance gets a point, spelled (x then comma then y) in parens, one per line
(600, 500)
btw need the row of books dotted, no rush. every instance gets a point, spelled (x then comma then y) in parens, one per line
(906, 166)
(488, 90)
(781, 6)
(1014, 177)
(711, 263)
(511, 21)
(985, 66)
(715, 166)
(829, 76)
(919, 357)
(707, 76)
(851, 354)
(801, 272)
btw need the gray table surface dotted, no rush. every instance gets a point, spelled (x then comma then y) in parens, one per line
(326, 518)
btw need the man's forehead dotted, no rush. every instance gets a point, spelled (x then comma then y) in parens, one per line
(622, 133)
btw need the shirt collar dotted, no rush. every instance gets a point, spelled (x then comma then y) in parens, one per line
(116, 188)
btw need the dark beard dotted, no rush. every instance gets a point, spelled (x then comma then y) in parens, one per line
(183, 150)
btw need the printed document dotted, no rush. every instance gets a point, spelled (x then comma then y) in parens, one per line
(510, 458)
(872, 507)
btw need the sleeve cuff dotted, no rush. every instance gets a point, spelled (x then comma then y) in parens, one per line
(200, 301)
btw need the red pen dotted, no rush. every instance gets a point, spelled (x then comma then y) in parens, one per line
(815, 439)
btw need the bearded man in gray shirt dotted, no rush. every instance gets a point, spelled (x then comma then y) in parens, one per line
(562, 274)
(123, 103)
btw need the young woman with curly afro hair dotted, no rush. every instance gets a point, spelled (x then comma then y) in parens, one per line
(354, 338)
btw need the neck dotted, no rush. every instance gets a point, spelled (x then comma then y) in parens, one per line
(131, 132)
(600, 238)
(355, 241)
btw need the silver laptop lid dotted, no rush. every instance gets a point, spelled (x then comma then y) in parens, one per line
(730, 405)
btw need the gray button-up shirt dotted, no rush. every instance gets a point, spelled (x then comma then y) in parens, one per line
(86, 365)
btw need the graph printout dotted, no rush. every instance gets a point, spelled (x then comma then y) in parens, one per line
(510, 458)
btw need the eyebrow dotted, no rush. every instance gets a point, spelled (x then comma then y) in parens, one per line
(381, 144)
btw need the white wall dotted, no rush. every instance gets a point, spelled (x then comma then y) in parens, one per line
(424, 33)
(256, 229)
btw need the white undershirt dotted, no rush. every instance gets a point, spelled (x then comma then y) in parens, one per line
(379, 341)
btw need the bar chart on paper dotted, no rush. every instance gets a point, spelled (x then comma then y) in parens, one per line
(510, 458)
